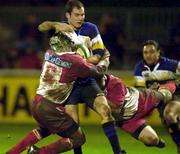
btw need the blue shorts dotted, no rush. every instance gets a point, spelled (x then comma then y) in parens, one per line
(84, 91)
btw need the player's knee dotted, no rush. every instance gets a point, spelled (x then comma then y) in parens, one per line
(41, 132)
(80, 140)
(151, 141)
(103, 109)
(169, 116)
(105, 112)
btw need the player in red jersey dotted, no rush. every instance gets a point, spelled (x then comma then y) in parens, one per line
(130, 107)
(60, 70)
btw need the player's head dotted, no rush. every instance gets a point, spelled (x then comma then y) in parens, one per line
(63, 42)
(151, 52)
(75, 13)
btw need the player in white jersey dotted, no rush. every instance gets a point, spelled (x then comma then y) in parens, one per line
(156, 69)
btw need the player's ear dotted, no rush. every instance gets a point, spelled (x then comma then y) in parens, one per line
(67, 15)
(159, 53)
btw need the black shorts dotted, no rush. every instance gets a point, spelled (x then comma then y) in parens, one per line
(84, 91)
(53, 117)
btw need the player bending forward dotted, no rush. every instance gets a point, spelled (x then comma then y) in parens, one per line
(61, 68)
(130, 107)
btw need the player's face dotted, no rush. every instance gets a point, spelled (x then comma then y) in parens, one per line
(151, 54)
(76, 17)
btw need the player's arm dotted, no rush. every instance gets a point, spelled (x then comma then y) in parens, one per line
(94, 59)
(167, 90)
(86, 69)
(139, 80)
(104, 61)
(57, 26)
(98, 48)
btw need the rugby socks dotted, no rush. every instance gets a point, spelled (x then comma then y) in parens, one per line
(62, 145)
(30, 139)
(110, 131)
(161, 144)
(78, 150)
(175, 133)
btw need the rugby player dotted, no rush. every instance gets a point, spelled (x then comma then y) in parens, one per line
(60, 70)
(130, 106)
(156, 69)
(75, 14)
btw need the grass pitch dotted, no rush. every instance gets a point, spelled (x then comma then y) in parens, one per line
(96, 141)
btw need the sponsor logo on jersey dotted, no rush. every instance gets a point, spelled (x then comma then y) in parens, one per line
(54, 59)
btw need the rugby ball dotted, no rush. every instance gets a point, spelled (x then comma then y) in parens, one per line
(83, 51)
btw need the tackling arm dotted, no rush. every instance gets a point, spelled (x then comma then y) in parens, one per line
(167, 90)
(104, 61)
(57, 26)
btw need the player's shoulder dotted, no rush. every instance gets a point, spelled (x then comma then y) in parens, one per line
(167, 60)
(89, 24)
(139, 65)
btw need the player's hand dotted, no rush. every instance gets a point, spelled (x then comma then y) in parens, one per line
(101, 68)
(63, 27)
(155, 86)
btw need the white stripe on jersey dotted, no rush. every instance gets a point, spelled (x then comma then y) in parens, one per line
(131, 103)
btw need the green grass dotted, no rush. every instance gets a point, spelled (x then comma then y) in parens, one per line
(96, 141)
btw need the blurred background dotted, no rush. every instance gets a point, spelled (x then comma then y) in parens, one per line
(124, 25)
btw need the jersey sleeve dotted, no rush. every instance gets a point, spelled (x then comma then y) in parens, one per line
(116, 90)
(138, 78)
(97, 44)
(84, 69)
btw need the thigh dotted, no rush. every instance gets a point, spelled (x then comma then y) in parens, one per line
(132, 125)
(148, 136)
(90, 91)
(75, 96)
(53, 117)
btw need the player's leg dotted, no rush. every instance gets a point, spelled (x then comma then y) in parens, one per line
(72, 108)
(69, 141)
(149, 137)
(30, 139)
(171, 116)
(142, 132)
(73, 111)
(101, 106)
(59, 122)
(33, 136)
(95, 99)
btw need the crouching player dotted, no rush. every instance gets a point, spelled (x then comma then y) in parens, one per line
(130, 107)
